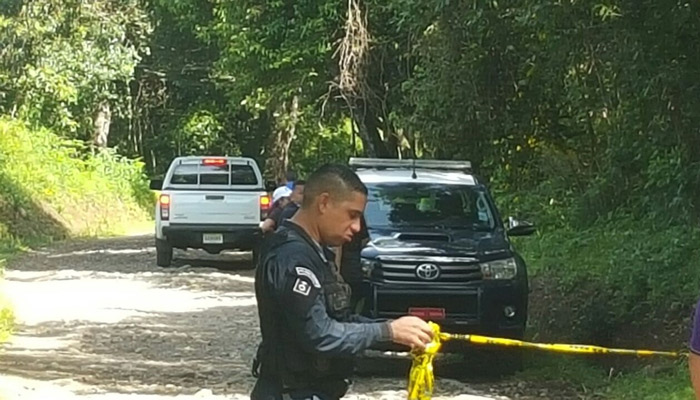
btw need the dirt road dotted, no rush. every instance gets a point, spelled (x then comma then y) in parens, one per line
(98, 320)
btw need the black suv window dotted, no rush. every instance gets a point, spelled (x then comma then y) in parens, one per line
(426, 204)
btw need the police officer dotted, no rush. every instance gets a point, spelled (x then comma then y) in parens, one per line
(309, 334)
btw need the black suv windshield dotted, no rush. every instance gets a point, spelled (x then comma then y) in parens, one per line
(429, 205)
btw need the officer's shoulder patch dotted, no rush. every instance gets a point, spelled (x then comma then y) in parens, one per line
(303, 271)
(302, 287)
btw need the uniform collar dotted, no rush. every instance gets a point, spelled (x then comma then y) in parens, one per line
(321, 250)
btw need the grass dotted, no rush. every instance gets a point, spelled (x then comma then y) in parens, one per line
(52, 188)
(672, 383)
(656, 380)
(7, 317)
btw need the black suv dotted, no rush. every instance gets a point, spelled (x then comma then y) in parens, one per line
(438, 249)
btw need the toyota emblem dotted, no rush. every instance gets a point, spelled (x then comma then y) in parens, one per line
(428, 272)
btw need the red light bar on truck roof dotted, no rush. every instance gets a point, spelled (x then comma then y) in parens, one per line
(214, 161)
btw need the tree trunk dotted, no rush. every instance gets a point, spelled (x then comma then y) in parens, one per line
(102, 120)
(282, 139)
(353, 80)
(368, 129)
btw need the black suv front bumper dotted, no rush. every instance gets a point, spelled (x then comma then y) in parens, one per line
(479, 308)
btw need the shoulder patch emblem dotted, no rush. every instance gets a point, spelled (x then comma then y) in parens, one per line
(302, 287)
(302, 271)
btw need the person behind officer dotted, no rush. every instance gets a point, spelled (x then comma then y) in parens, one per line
(281, 197)
(297, 197)
(309, 335)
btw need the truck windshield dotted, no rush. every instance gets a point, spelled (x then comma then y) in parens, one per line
(428, 205)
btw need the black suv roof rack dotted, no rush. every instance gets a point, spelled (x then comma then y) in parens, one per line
(385, 163)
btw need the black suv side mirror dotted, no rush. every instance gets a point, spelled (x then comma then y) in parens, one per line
(156, 184)
(520, 228)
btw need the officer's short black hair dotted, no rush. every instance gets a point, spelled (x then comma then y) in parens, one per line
(299, 182)
(337, 180)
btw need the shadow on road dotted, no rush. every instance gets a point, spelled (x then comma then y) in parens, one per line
(124, 255)
(150, 354)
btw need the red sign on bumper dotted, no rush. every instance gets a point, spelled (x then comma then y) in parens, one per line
(427, 313)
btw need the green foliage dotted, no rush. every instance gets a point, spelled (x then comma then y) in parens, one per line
(516, 86)
(593, 279)
(317, 144)
(275, 49)
(62, 58)
(50, 189)
(7, 317)
(615, 274)
(275, 56)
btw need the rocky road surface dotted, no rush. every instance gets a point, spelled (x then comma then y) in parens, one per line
(97, 319)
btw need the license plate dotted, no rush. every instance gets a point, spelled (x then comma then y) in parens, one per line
(212, 238)
(427, 312)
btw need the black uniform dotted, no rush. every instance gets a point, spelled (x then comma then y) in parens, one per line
(350, 264)
(288, 211)
(276, 215)
(309, 334)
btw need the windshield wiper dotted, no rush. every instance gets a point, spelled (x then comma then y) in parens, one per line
(481, 227)
(475, 226)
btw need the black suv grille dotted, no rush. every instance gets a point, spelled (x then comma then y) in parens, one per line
(407, 269)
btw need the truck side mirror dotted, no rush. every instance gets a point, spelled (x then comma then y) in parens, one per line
(156, 184)
(520, 228)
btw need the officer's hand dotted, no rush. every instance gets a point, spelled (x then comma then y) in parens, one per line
(411, 331)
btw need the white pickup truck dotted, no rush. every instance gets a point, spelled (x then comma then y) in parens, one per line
(210, 203)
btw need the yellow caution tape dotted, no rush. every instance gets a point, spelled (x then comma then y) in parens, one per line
(421, 378)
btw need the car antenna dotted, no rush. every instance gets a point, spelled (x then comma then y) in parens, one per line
(414, 176)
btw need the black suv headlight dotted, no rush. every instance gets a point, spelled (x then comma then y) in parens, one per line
(368, 266)
(499, 269)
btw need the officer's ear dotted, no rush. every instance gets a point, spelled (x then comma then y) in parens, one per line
(323, 202)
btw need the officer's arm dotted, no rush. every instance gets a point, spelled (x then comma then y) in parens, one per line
(362, 319)
(299, 292)
(268, 225)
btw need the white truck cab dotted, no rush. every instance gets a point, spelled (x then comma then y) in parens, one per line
(209, 203)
